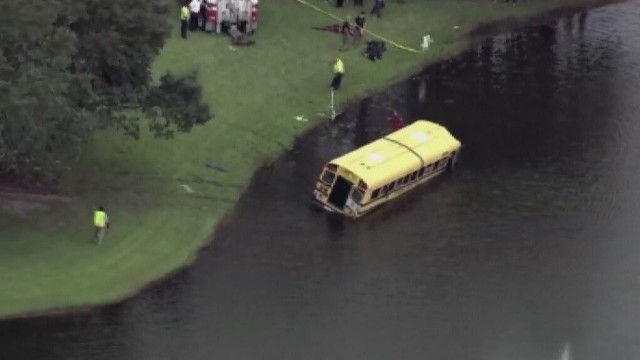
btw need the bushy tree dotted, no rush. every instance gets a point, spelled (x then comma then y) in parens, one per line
(42, 115)
(68, 68)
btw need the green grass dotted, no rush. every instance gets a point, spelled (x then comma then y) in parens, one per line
(47, 260)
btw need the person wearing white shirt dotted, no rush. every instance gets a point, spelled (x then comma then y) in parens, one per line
(194, 6)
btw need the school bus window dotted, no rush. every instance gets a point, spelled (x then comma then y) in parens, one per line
(413, 176)
(375, 193)
(389, 187)
(406, 179)
(328, 177)
(356, 196)
(421, 171)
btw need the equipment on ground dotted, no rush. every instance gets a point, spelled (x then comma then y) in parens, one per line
(374, 50)
(334, 28)
(238, 38)
(214, 166)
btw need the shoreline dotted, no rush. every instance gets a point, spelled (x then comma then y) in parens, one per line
(472, 38)
(478, 34)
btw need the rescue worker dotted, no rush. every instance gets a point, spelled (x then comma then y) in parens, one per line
(101, 223)
(345, 29)
(377, 8)
(203, 15)
(360, 21)
(338, 73)
(396, 121)
(184, 20)
(194, 5)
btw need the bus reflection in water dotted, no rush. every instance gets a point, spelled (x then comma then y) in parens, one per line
(359, 181)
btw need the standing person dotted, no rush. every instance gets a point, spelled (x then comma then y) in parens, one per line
(360, 21)
(194, 5)
(345, 29)
(338, 73)
(339, 3)
(203, 14)
(377, 8)
(184, 20)
(358, 3)
(101, 223)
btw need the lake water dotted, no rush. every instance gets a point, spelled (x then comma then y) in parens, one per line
(530, 250)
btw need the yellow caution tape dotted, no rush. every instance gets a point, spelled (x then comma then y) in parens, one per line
(399, 46)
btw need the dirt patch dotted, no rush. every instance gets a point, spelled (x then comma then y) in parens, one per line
(21, 208)
(23, 204)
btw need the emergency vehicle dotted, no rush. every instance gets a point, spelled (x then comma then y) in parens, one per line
(221, 15)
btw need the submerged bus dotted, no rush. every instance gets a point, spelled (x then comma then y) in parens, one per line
(382, 170)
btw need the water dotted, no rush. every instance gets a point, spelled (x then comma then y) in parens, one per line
(529, 251)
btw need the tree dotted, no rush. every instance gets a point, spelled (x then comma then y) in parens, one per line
(117, 40)
(39, 96)
(68, 68)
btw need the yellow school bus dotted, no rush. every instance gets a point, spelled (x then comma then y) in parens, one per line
(382, 170)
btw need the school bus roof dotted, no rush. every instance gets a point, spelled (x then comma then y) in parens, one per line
(399, 153)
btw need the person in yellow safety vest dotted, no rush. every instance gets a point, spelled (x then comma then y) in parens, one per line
(338, 73)
(185, 13)
(101, 223)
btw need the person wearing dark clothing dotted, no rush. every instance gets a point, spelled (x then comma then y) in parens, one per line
(203, 15)
(360, 21)
(358, 3)
(339, 3)
(345, 30)
(377, 8)
(194, 6)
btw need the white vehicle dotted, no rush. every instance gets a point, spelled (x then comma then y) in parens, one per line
(221, 15)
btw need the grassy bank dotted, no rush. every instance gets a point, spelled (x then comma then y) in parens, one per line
(47, 259)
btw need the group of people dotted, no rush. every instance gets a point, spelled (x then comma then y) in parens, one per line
(347, 35)
(378, 5)
(190, 14)
(352, 35)
(356, 33)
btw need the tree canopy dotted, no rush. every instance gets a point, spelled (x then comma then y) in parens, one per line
(69, 68)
